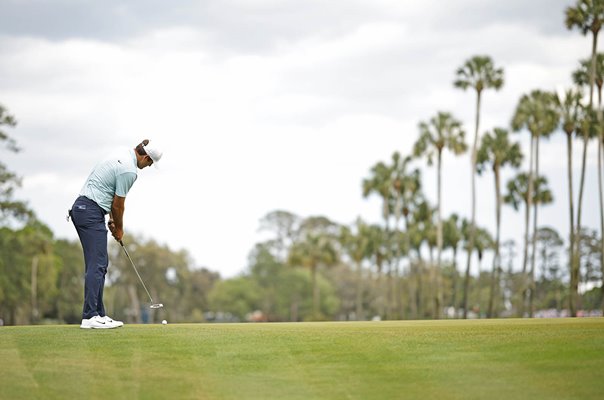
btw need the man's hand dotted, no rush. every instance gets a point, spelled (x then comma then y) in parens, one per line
(118, 234)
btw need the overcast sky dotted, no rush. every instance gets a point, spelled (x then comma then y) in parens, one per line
(269, 104)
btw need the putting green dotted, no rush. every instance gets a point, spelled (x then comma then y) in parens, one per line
(485, 359)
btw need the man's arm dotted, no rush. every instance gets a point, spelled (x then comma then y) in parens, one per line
(116, 218)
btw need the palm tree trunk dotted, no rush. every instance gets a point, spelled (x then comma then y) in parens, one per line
(454, 281)
(466, 285)
(529, 202)
(534, 241)
(420, 289)
(496, 259)
(574, 289)
(359, 296)
(571, 263)
(412, 303)
(601, 214)
(600, 183)
(34, 290)
(473, 225)
(380, 286)
(386, 215)
(439, 244)
(395, 286)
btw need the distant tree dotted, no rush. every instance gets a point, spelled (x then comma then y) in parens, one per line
(496, 151)
(509, 255)
(378, 248)
(590, 252)
(356, 244)
(538, 113)
(549, 244)
(570, 108)
(316, 248)
(582, 75)
(27, 273)
(284, 225)
(236, 297)
(519, 193)
(478, 73)
(380, 182)
(422, 232)
(442, 132)
(10, 208)
(406, 187)
(586, 128)
(279, 292)
(68, 302)
(582, 78)
(200, 283)
(587, 16)
(452, 237)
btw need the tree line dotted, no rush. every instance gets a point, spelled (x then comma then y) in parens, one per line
(405, 267)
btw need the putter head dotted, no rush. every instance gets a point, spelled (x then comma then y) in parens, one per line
(158, 305)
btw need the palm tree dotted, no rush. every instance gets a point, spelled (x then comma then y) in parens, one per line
(543, 195)
(582, 78)
(538, 114)
(406, 187)
(520, 192)
(478, 73)
(441, 132)
(550, 244)
(378, 251)
(497, 151)
(315, 249)
(421, 230)
(357, 245)
(570, 108)
(451, 239)
(586, 128)
(582, 75)
(380, 183)
(587, 16)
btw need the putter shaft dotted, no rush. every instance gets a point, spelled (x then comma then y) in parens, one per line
(135, 270)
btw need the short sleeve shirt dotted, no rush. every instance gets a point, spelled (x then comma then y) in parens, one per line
(115, 175)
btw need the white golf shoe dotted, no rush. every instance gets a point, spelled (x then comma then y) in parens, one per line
(109, 320)
(96, 322)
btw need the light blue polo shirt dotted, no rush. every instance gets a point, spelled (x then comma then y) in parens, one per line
(115, 175)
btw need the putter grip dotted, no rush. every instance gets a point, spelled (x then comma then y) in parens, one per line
(121, 243)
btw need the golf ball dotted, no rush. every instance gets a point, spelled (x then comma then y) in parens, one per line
(164, 322)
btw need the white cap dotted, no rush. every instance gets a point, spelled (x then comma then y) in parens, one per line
(154, 152)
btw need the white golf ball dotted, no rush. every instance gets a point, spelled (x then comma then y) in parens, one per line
(164, 322)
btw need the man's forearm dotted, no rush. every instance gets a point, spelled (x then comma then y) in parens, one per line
(117, 212)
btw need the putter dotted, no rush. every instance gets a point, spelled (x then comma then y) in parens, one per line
(153, 304)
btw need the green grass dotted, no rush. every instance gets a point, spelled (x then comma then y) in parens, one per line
(487, 359)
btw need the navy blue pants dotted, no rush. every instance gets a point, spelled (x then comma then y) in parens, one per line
(89, 220)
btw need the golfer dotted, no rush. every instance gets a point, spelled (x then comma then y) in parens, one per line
(105, 193)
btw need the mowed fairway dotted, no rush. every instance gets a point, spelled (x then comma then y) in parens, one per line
(487, 359)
